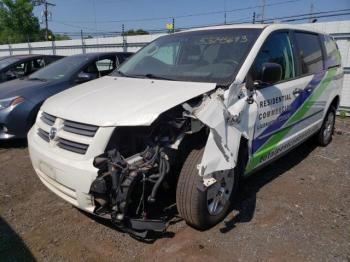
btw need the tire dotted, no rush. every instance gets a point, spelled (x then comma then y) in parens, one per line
(191, 194)
(324, 135)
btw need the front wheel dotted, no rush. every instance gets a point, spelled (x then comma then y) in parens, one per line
(324, 136)
(203, 207)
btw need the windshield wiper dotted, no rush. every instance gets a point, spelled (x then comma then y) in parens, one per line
(121, 73)
(125, 75)
(152, 76)
(37, 79)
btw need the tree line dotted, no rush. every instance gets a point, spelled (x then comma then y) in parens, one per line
(19, 25)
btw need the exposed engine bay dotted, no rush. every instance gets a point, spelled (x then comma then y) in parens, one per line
(138, 167)
(141, 165)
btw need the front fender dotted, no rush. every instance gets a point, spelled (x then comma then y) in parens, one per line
(222, 147)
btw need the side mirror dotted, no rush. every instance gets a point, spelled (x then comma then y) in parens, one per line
(271, 73)
(250, 84)
(84, 77)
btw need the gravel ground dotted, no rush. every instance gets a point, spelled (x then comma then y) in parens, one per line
(294, 210)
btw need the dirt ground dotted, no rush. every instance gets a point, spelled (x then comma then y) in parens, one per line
(294, 210)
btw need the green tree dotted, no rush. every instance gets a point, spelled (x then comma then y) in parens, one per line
(61, 37)
(56, 37)
(136, 32)
(17, 22)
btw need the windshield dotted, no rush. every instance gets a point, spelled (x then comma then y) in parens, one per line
(201, 56)
(7, 61)
(63, 68)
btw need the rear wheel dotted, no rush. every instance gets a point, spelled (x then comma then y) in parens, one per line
(203, 207)
(324, 136)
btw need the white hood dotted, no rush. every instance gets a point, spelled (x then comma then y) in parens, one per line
(121, 101)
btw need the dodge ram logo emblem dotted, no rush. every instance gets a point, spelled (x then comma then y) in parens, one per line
(52, 134)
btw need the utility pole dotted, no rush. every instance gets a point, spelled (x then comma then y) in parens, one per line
(225, 14)
(311, 12)
(124, 38)
(263, 11)
(46, 14)
(82, 41)
(254, 17)
(173, 25)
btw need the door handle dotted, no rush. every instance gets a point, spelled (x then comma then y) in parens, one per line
(308, 88)
(297, 91)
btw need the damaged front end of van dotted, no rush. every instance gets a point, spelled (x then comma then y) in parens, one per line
(138, 173)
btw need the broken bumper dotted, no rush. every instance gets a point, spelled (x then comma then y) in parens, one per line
(67, 178)
(71, 180)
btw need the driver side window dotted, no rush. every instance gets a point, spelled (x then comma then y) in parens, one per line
(277, 49)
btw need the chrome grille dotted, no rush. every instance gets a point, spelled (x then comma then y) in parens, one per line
(79, 128)
(71, 136)
(72, 146)
(43, 134)
(48, 119)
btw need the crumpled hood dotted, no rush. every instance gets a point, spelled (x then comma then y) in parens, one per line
(121, 101)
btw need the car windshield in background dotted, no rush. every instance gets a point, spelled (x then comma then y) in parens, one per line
(201, 56)
(7, 61)
(63, 68)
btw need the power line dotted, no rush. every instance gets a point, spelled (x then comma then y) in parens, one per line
(185, 16)
(320, 16)
(291, 18)
(112, 1)
(306, 15)
(153, 30)
(77, 26)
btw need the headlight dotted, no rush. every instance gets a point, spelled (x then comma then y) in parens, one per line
(13, 101)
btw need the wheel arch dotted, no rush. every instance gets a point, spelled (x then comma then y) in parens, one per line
(32, 115)
(243, 153)
(335, 102)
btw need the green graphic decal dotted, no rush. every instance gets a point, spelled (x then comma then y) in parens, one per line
(271, 145)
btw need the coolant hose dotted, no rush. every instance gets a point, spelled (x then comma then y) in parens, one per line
(164, 168)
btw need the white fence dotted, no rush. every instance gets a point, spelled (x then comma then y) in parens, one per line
(78, 46)
(340, 30)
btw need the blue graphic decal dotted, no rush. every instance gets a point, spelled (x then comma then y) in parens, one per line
(283, 118)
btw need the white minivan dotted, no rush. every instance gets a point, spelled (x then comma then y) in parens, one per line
(184, 119)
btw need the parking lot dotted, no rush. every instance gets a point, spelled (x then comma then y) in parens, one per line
(296, 209)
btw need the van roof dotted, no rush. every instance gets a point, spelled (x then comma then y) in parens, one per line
(275, 26)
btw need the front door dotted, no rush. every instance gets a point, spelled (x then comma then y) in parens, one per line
(275, 103)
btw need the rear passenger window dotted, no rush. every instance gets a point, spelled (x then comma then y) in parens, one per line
(36, 64)
(310, 52)
(105, 65)
(51, 59)
(332, 53)
(277, 49)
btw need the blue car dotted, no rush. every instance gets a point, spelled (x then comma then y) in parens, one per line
(21, 99)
